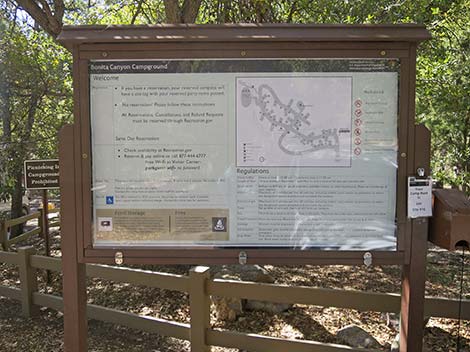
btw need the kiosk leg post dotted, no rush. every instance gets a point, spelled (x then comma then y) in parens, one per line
(74, 278)
(414, 273)
(412, 296)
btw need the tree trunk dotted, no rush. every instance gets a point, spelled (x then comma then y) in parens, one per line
(175, 14)
(5, 110)
(18, 155)
(17, 200)
(190, 10)
(48, 16)
(172, 11)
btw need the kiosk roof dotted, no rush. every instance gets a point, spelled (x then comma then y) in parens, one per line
(71, 35)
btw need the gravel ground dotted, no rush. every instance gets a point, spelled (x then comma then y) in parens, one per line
(45, 332)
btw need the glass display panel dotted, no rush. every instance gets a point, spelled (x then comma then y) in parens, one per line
(296, 153)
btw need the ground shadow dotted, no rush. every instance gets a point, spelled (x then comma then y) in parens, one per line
(257, 322)
(310, 328)
(295, 322)
(435, 336)
(44, 332)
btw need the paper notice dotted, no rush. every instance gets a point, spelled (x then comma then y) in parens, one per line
(419, 197)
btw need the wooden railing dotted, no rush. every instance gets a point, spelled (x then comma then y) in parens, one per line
(6, 224)
(200, 287)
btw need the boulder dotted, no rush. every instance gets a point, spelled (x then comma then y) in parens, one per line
(270, 307)
(228, 308)
(254, 273)
(354, 336)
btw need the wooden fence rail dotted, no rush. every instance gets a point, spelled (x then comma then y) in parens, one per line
(5, 224)
(55, 220)
(200, 287)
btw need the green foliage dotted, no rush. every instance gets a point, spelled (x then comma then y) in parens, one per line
(443, 91)
(442, 72)
(115, 12)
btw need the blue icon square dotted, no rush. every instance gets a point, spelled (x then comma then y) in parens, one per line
(109, 199)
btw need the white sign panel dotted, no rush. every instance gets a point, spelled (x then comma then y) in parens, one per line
(248, 153)
(419, 197)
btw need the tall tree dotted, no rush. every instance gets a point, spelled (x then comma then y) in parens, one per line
(35, 100)
(444, 92)
(49, 15)
(442, 89)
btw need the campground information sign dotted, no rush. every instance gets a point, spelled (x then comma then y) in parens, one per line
(247, 153)
(41, 174)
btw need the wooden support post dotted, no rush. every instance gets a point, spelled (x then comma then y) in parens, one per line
(3, 235)
(199, 306)
(414, 273)
(28, 281)
(74, 279)
(45, 229)
(41, 222)
(412, 296)
(45, 221)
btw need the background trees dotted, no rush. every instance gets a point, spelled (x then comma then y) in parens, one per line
(35, 83)
(443, 92)
(35, 101)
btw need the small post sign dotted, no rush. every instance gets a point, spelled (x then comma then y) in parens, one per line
(41, 174)
(419, 197)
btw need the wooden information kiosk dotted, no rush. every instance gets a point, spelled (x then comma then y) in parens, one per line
(243, 144)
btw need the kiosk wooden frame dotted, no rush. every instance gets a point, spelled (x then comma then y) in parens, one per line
(242, 41)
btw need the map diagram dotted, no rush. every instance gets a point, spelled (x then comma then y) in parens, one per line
(293, 121)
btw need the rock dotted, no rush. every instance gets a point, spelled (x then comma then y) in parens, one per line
(354, 336)
(270, 307)
(393, 320)
(395, 346)
(228, 308)
(254, 273)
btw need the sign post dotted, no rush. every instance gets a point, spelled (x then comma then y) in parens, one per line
(280, 146)
(45, 224)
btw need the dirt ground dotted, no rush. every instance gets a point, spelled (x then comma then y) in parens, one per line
(45, 332)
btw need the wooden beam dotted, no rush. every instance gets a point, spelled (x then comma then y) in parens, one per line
(20, 220)
(199, 307)
(28, 281)
(414, 272)
(10, 292)
(74, 279)
(139, 277)
(260, 343)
